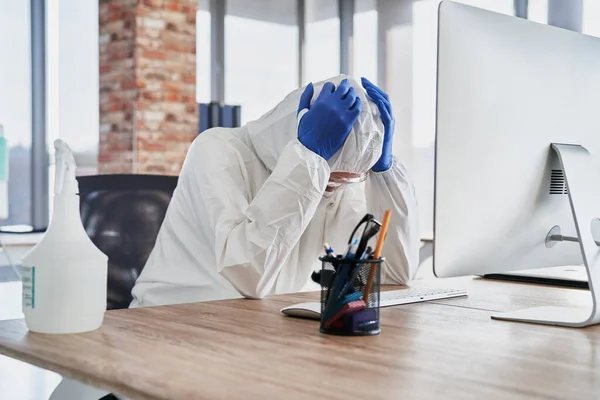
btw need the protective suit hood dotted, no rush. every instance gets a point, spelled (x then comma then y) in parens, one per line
(272, 132)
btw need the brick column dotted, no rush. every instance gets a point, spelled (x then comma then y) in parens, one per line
(148, 109)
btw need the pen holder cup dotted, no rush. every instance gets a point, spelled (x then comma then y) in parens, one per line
(350, 296)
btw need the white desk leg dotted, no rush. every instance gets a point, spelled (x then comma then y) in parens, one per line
(583, 184)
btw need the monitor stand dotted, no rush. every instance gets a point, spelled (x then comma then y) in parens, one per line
(580, 176)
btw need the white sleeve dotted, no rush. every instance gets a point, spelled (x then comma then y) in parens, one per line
(393, 190)
(255, 236)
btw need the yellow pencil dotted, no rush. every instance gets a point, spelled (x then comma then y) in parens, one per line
(384, 227)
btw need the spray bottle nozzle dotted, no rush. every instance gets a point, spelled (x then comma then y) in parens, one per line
(65, 167)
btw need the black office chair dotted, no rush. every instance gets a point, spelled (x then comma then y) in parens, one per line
(122, 214)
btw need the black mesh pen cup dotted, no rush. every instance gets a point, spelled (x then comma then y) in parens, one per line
(350, 296)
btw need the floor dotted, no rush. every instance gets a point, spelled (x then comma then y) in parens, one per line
(18, 380)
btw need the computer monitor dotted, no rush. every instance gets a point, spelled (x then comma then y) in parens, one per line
(517, 180)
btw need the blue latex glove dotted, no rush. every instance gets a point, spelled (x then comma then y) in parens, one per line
(327, 124)
(385, 109)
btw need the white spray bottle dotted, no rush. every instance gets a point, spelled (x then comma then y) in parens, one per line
(64, 275)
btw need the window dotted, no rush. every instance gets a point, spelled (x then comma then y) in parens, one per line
(424, 52)
(365, 39)
(203, 52)
(261, 54)
(423, 112)
(322, 46)
(537, 11)
(591, 17)
(15, 106)
(72, 83)
(78, 113)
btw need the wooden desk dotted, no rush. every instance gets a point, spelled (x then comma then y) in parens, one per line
(247, 349)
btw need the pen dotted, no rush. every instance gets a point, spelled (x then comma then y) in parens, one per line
(366, 253)
(352, 249)
(347, 250)
(328, 250)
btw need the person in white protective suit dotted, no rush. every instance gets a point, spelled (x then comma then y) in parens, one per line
(254, 205)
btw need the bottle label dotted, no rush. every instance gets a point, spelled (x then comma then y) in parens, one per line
(28, 279)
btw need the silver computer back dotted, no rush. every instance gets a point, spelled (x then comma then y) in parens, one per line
(506, 89)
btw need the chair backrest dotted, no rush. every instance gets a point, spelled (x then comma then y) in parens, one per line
(122, 214)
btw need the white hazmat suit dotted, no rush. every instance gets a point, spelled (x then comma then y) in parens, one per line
(250, 213)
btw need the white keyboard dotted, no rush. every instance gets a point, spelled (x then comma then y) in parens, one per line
(417, 294)
(390, 298)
